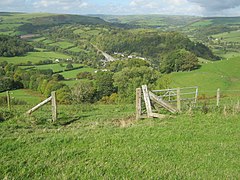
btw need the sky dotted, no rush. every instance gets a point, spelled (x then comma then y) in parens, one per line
(126, 7)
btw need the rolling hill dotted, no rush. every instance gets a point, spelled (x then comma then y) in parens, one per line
(24, 23)
(212, 75)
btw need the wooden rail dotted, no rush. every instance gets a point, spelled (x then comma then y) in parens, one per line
(39, 105)
(54, 106)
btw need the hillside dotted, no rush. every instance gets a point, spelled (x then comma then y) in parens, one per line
(23, 23)
(154, 21)
(212, 75)
(104, 141)
(88, 70)
(216, 21)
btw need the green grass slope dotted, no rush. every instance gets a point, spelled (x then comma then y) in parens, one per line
(216, 21)
(26, 95)
(35, 57)
(104, 142)
(212, 75)
(233, 36)
(24, 23)
(156, 20)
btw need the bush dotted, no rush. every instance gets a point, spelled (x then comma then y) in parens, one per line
(14, 101)
(69, 66)
(110, 99)
(85, 75)
(5, 115)
(84, 92)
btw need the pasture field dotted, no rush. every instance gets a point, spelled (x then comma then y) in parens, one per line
(76, 49)
(73, 73)
(38, 39)
(105, 142)
(48, 41)
(26, 95)
(63, 44)
(55, 67)
(202, 23)
(34, 57)
(212, 75)
(233, 36)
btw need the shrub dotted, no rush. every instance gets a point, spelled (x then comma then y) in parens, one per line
(85, 75)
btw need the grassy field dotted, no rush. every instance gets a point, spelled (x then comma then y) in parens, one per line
(11, 21)
(27, 95)
(76, 49)
(89, 142)
(38, 39)
(71, 83)
(73, 73)
(54, 67)
(212, 75)
(63, 44)
(202, 23)
(233, 36)
(34, 57)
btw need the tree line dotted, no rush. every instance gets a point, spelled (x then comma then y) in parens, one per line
(11, 46)
(163, 49)
(116, 84)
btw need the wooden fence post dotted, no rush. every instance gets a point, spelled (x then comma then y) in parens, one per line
(54, 106)
(178, 100)
(8, 100)
(196, 95)
(218, 97)
(147, 101)
(138, 103)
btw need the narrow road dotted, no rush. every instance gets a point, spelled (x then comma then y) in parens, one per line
(108, 57)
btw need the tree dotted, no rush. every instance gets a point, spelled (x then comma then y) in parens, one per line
(104, 83)
(84, 75)
(6, 83)
(83, 92)
(69, 66)
(180, 60)
(2, 72)
(13, 46)
(129, 79)
(58, 77)
(64, 95)
(52, 86)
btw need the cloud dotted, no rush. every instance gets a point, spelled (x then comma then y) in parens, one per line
(6, 2)
(58, 5)
(170, 7)
(55, 6)
(13, 5)
(215, 5)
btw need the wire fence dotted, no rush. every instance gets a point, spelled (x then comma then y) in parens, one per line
(195, 98)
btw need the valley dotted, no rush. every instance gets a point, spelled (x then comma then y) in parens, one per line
(94, 64)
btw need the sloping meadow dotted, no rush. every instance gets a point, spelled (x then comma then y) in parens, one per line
(106, 142)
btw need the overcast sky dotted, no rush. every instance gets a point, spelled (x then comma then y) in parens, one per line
(170, 7)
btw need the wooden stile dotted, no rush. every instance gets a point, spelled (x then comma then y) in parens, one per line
(162, 103)
(138, 103)
(147, 101)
